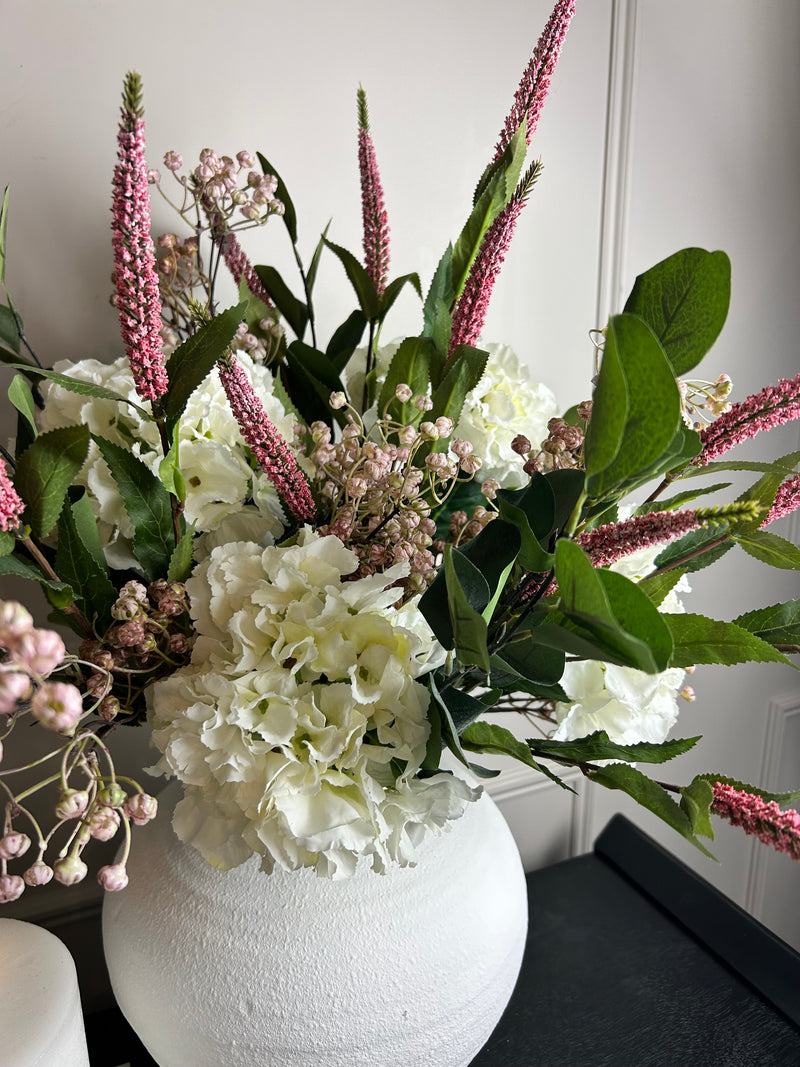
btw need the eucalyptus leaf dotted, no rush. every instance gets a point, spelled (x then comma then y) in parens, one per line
(496, 740)
(44, 472)
(468, 625)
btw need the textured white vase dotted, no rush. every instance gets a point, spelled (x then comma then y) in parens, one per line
(410, 969)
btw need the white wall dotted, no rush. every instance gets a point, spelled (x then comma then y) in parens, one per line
(708, 156)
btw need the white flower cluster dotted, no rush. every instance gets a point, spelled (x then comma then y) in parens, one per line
(299, 726)
(502, 405)
(629, 705)
(213, 458)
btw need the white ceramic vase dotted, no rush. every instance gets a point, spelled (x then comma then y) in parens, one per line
(408, 969)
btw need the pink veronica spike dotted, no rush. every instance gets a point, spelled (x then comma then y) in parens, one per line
(373, 208)
(265, 441)
(763, 819)
(606, 544)
(11, 507)
(787, 500)
(135, 275)
(773, 406)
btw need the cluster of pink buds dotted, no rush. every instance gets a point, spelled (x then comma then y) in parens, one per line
(224, 187)
(562, 448)
(464, 527)
(702, 401)
(379, 486)
(151, 635)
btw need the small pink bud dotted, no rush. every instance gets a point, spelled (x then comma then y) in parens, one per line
(113, 878)
(14, 845)
(11, 888)
(140, 808)
(103, 822)
(58, 706)
(14, 622)
(41, 651)
(70, 870)
(521, 445)
(338, 400)
(38, 874)
(688, 693)
(173, 161)
(113, 795)
(14, 687)
(72, 804)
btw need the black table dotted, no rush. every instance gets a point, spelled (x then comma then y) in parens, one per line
(632, 960)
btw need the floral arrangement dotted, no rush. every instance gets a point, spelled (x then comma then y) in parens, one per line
(314, 570)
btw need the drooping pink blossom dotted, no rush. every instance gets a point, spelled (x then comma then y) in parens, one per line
(135, 277)
(373, 208)
(787, 500)
(11, 507)
(265, 441)
(763, 819)
(773, 406)
(606, 544)
(535, 83)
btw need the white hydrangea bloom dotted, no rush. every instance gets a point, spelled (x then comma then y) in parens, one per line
(299, 726)
(213, 457)
(630, 705)
(503, 404)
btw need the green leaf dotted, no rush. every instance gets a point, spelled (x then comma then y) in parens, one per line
(44, 472)
(492, 553)
(170, 473)
(532, 512)
(449, 733)
(395, 287)
(696, 800)
(657, 586)
(684, 299)
(75, 385)
(20, 395)
(77, 563)
(679, 499)
(598, 746)
(650, 795)
(368, 299)
(496, 740)
(778, 624)
(411, 365)
(8, 543)
(465, 371)
(311, 275)
(282, 193)
(192, 362)
(9, 334)
(609, 414)
(313, 376)
(533, 661)
(346, 339)
(777, 466)
(698, 639)
(180, 563)
(653, 411)
(769, 548)
(508, 679)
(467, 595)
(697, 549)
(637, 614)
(436, 313)
(568, 490)
(60, 592)
(148, 505)
(295, 311)
(763, 494)
(3, 230)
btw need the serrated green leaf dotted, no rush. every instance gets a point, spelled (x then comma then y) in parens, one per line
(769, 548)
(44, 472)
(763, 494)
(77, 564)
(75, 385)
(282, 193)
(366, 292)
(650, 795)
(437, 320)
(598, 746)
(295, 311)
(684, 299)
(346, 339)
(698, 639)
(696, 800)
(148, 505)
(463, 374)
(192, 362)
(60, 590)
(737, 465)
(488, 738)
(180, 563)
(20, 395)
(779, 624)
(697, 549)
(395, 287)
(658, 586)
(411, 365)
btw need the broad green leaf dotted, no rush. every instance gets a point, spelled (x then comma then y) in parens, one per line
(532, 660)
(75, 385)
(192, 362)
(568, 490)
(637, 615)
(44, 472)
(77, 565)
(411, 365)
(609, 414)
(653, 414)
(8, 543)
(779, 624)
(9, 335)
(148, 505)
(598, 746)
(650, 795)
(769, 548)
(20, 395)
(255, 309)
(657, 586)
(60, 591)
(346, 339)
(368, 299)
(295, 311)
(282, 193)
(170, 473)
(579, 584)
(493, 553)
(433, 749)
(508, 678)
(532, 512)
(696, 800)
(86, 525)
(698, 639)
(449, 733)
(395, 287)
(684, 299)
(180, 563)
(465, 371)
(313, 379)
(437, 304)
(488, 738)
(468, 625)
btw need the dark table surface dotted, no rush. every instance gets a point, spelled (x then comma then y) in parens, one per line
(632, 960)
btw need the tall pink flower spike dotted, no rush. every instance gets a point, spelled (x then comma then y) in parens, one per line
(265, 441)
(773, 406)
(11, 507)
(473, 304)
(763, 819)
(135, 274)
(787, 500)
(606, 544)
(373, 208)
